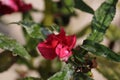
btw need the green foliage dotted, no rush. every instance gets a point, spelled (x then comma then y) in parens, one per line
(31, 78)
(68, 7)
(6, 60)
(108, 68)
(81, 76)
(12, 45)
(100, 50)
(60, 12)
(65, 74)
(27, 16)
(80, 4)
(33, 29)
(31, 46)
(48, 68)
(102, 19)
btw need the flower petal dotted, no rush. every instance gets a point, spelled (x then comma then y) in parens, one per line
(10, 3)
(22, 6)
(46, 51)
(61, 35)
(63, 52)
(10, 6)
(70, 41)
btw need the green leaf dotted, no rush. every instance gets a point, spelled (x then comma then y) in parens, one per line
(26, 16)
(64, 74)
(109, 69)
(102, 19)
(100, 50)
(31, 78)
(68, 7)
(6, 60)
(82, 76)
(12, 45)
(33, 29)
(80, 4)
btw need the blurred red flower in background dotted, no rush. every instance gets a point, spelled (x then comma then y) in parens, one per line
(57, 46)
(10, 6)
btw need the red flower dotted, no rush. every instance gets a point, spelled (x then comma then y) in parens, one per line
(10, 6)
(57, 45)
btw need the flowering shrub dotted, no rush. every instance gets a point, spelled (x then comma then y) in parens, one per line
(78, 61)
(10, 6)
(57, 45)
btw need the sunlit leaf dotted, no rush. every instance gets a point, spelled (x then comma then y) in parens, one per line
(100, 50)
(12, 45)
(80, 4)
(64, 74)
(102, 19)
